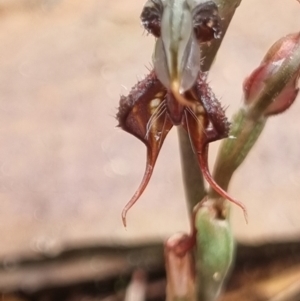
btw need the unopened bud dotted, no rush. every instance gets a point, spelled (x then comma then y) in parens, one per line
(180, 268)
(270, 66)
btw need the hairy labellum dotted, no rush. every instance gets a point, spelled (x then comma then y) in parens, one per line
(150, 111)
(176, 91)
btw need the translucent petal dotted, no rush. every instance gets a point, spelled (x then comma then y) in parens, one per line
(190, 65)
(160, 63)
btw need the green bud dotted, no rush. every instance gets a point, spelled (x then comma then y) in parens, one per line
(214, 251)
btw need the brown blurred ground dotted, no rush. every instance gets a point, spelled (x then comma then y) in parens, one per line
(66, 171)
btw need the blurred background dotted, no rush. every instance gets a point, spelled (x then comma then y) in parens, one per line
(66, 170)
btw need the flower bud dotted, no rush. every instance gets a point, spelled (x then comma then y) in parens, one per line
(271, 66)
(179, 268)
(214, 249)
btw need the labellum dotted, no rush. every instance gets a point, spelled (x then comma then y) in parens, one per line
(176, 91)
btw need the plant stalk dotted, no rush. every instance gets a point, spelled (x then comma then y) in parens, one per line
(192, 176)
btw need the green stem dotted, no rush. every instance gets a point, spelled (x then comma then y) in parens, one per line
(192, 176)
(215, 246)
(233, 151)
(249, 122)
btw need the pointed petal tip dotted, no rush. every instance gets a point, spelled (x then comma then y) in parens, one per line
(203, 160)
(124, 213)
